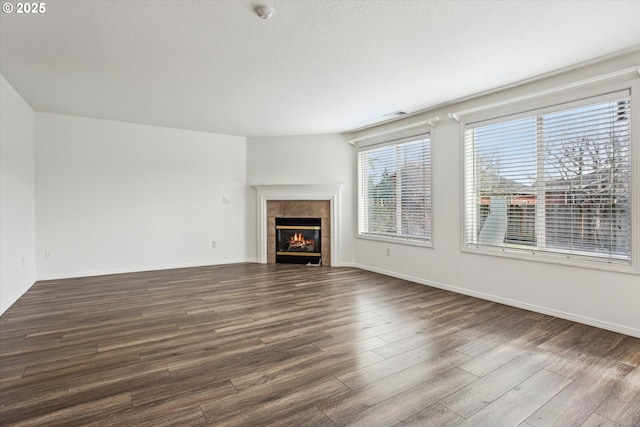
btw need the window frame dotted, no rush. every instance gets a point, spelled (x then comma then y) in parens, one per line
(537, 105)
(395, 238)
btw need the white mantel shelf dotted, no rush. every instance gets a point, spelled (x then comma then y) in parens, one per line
(268, 192)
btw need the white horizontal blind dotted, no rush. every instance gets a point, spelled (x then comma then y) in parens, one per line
(553, 181)
(394, 185)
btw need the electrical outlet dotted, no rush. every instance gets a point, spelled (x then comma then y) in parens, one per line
(24, 263)
(48, 253)
(388, 251)
(214, 244)
(226, 200)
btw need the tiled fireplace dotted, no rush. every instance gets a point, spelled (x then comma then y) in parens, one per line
(302, 201)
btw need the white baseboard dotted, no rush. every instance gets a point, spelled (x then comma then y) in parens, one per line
(346, 264)
(5, 305)
(514, 303)
(90, 273)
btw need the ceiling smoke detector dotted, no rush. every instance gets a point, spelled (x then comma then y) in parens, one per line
(264, 12)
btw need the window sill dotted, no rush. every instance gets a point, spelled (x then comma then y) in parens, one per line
(396, 240)
(574, 261)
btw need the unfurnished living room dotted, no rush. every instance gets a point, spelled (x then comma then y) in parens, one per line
(320, 213)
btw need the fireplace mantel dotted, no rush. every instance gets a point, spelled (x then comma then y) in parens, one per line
(329, 192)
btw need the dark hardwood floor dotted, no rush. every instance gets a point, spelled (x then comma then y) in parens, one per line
(287, 345)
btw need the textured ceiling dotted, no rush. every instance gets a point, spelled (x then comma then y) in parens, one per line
(315, 67)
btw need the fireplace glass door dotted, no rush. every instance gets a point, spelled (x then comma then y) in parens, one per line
(298, 240)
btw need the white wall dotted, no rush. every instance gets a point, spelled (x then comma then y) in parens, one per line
(17, 196)
(319, 159)
(601, 298)
(115, 197)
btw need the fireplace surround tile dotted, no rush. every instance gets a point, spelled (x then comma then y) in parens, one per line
(274, 209)
(301, 208)
(271, 237)
(323, 209)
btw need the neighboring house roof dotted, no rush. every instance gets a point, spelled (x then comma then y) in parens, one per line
(501, 185)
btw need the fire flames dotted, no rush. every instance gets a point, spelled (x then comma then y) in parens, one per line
(298, 241)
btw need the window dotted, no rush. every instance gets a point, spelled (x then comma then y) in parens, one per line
(394, 184)
(554, 182)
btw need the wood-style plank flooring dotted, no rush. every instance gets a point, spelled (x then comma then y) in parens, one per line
(288, 345)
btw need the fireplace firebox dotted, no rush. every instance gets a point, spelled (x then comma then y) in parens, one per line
(298, 240)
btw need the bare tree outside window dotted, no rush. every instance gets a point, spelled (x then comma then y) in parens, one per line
(560, 180)
(587, 176)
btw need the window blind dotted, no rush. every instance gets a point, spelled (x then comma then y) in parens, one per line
(554, 181)
(394, 182)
